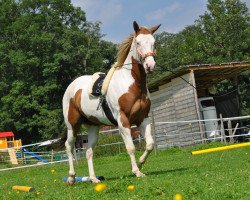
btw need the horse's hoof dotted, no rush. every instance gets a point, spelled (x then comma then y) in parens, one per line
(139, 174)
(95, 180)
(70, 181)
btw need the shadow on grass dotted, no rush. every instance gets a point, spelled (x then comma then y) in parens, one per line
(160, 172)
(152, 173)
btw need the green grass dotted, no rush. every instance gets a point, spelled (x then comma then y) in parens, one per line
(216, 176)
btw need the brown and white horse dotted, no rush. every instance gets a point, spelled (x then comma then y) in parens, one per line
(127, 97)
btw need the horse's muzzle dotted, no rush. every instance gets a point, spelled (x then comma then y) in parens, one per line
(149, 64)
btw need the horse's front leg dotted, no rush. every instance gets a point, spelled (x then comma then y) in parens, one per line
(125, 131)
(145, 129)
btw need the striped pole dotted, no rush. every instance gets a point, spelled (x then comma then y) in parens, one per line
(234, 146)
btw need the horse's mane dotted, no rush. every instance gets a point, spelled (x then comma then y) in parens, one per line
(124, 50)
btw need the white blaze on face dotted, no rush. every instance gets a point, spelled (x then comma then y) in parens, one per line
(145, 44)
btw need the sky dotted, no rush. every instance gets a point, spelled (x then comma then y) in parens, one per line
(117, 16)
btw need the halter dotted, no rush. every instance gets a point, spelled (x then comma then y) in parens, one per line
(146, 55)
(143, 57)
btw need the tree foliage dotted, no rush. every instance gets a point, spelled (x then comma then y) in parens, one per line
(226, 31)
(44, 45)
(220, 35)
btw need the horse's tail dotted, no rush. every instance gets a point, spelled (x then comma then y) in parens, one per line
(61, 143)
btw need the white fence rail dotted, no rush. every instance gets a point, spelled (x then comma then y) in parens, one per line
(225, 134)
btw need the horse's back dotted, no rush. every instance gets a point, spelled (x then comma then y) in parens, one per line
(80, 83)
(77, 97)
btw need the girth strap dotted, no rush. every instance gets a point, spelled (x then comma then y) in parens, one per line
(107, 110)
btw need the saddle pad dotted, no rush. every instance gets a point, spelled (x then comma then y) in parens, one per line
(96, 84)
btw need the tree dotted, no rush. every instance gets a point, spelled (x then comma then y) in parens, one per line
(226, 28)
(44, 45)
(220, 35)
(226, 31)
(174, 50)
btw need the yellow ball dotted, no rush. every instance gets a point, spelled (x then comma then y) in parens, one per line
(52, 171)
(178, 196)
(131, 187)
(100, 187)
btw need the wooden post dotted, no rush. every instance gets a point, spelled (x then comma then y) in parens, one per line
(197, 106)
(230, 130)
(22, 157)
(52, 155)
(223, 139)
(235, 129)
(236, 80)
(153, 132)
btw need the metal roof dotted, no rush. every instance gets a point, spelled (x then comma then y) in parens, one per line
(205, 74)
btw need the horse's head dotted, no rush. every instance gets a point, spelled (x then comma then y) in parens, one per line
(145, 45)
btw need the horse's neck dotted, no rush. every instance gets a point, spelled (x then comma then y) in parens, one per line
(132, 53)
(132, 71)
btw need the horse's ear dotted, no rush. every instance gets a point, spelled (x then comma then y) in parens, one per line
(153, 29)
(136, 26)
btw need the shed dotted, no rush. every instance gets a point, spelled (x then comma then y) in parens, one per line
(175, 97)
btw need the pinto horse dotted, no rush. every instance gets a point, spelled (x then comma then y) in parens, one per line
(127, 98)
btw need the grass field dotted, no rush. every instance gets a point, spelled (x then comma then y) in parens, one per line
(214, 176)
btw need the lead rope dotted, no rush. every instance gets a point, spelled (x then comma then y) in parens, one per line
(179, 76)
(161, 68)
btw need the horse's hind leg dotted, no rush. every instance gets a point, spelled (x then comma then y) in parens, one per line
(69, 144)
(73, 122)
(92, 140)
(145, 129)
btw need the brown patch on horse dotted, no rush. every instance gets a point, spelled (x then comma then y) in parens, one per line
(134, 104)
(74, 113)
(94, 120)
(124, 119)
(143, 30)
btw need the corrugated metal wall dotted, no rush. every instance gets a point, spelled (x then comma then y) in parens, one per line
(175, 101)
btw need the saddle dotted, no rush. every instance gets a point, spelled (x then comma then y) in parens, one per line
(95, 88)
(100, 82)
(98, 88)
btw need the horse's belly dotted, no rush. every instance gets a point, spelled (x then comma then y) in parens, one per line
(89, 108)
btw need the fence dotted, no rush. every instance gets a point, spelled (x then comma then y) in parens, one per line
(189, 132)
(180, 137)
